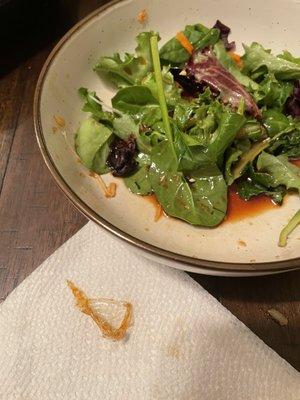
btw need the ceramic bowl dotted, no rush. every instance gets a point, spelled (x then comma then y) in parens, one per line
(246, 247)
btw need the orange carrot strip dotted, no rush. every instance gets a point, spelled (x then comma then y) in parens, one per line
(236, 58)
(184, 41)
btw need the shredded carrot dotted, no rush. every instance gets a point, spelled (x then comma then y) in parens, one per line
(184, 41)
(85, 305)
(236, 58)
(142, 16)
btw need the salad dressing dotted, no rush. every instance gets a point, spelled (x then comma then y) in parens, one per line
(239, 209)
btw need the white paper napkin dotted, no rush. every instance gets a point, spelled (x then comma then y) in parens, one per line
(183, 344)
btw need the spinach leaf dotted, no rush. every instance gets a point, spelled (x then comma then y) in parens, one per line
(198, 35)
(247, 157)
(277, 123)
(183, 112)
(203, 202)
(229, 124)
(280, 169)
(93, 105)
(130, 69)
(252, 130)
(256, 57)
(230, 65)
(139, 102)
(139, 183)
(99, 162)
(232, 157)
(273, 93)
(189, 158)
(124, 127)
(247, 189)
(89, 139)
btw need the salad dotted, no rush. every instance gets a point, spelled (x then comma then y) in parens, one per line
(193, 118)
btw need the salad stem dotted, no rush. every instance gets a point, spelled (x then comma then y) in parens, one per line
(160, 89)
(293, 223)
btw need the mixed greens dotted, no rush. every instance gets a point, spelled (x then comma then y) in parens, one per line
(190, 120)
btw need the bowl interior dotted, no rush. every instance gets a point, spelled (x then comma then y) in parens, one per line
(250, 241)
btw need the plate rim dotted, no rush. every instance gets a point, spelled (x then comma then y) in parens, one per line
(195, 263)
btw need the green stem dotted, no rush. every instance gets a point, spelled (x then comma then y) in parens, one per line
(293, 223)
(160, 90)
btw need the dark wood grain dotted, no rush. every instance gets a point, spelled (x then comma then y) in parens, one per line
(36, 218)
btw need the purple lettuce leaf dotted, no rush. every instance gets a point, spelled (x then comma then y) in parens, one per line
(224, 33)
(205, 68)
(292, 106)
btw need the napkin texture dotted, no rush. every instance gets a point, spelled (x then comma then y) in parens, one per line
(183, 344)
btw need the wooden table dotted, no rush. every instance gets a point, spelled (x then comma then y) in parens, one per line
(36, 218)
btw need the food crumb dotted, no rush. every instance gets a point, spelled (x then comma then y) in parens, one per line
(242, 243)
(173, 351)
(252, 260)
(142, 16)
(61, 123)
(54, 129)
(278, 317)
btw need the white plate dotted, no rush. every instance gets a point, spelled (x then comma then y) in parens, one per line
(221, 251)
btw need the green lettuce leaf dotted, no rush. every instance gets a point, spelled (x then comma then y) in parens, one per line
(256, 57)
(272, 93)
(130, 69)
(91, 138)
(280, 169)
(93, 105)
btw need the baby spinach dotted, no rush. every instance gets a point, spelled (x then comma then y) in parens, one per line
(198, 35)
(247, 189)
(201, 200)
(139, 182)
(277, 123)
(229, 124)
(139, 102)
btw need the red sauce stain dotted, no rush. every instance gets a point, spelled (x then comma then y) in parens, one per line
(239, 209)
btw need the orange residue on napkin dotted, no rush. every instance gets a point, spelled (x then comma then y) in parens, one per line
(91, 308)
